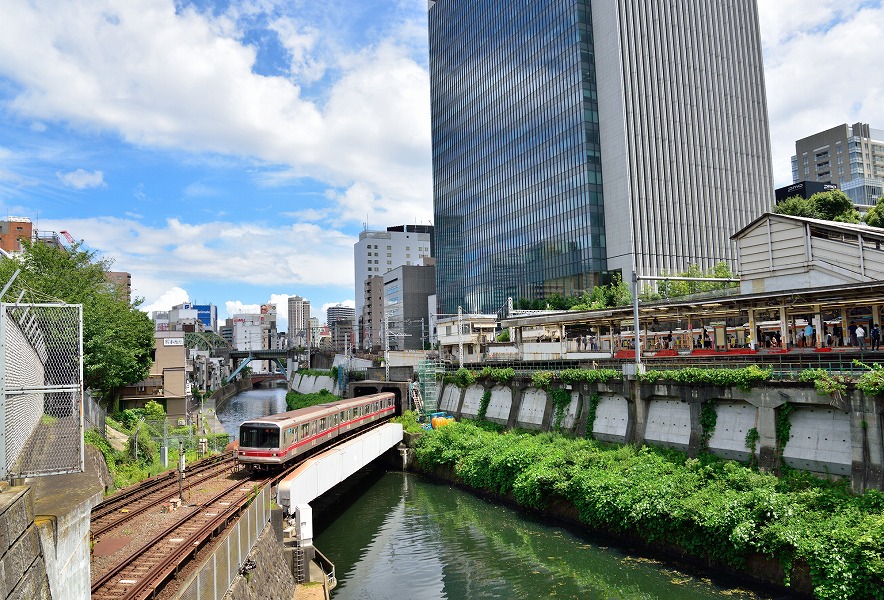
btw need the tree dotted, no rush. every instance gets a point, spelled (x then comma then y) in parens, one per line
(875, 215)
(833, 205)
(797, 206)
(117, 337)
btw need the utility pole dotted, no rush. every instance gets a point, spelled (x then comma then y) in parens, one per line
(423, 342)
(386, 348)
(460, 336)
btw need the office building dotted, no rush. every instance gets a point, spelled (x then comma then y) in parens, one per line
(573, 140)
(377, 252)
(342, 323)
(208, 315)
(851, 156)
(406, 290)
(372, 318)
(299, 321)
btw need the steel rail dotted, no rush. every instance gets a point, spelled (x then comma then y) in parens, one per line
(148, 502)
(133, 588)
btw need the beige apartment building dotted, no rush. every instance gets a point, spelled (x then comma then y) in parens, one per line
(167, 382)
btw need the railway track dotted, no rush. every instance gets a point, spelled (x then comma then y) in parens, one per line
(126, 505)
(148, 569)
(138, 575)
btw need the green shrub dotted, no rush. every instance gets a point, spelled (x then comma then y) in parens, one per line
(409, 422)
(295, 400)
(740, 378)
(713, 509)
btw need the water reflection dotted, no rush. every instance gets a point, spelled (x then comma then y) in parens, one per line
(406, 538)
(251, 404)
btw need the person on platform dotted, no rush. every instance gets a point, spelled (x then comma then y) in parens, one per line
(861, 337)
(875, 335)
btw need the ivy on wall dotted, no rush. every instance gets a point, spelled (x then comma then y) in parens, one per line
(483, 405)
(783, 427)
(561, 398)
(590, 415)
(752, 437)
(708, 419)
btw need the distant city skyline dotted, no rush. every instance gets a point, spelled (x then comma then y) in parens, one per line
(235, 158)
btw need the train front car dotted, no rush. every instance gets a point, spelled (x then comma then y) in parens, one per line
(259, 445)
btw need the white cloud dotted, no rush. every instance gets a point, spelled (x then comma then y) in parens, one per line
(81, 179)
(179, 253)
(323, 313)
(235, 307)
(181, 79)
(166, 300)
(819, 70)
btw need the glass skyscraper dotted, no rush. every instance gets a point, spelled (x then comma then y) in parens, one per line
(516, 156)
(536, 104)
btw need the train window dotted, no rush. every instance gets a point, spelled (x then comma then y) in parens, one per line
(252, 436)
(305, 430)
(322, 424)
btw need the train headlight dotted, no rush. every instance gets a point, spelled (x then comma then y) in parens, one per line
(274, 454)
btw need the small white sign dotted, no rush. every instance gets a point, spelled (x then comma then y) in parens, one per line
(173, 341)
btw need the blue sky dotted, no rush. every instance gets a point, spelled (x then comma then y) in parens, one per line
(230, 152)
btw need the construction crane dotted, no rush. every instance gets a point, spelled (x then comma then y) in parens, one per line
(68, 236)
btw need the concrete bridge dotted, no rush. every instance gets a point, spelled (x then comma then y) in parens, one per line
(316, 476)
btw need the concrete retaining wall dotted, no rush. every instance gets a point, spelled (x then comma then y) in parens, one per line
(23, 572)
(843, 436)
(313, 384)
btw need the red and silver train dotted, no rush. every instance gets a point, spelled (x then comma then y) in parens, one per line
(272, 441)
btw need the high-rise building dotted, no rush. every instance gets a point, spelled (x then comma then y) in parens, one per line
(377, 252)
(850, 156)
(341, 324)
(372, 317)
(299, 321)
(406, 290)
(573, 139)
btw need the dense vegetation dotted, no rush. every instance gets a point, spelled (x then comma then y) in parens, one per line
(117, 337)
(713, 509)
(295, 400)
(832, 206)
(146, 428)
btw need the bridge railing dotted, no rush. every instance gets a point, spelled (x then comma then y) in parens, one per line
(218, 571)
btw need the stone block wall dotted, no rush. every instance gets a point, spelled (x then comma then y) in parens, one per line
(22, 570)
(843, 436)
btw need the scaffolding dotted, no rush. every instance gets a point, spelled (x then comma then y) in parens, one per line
(428, 373)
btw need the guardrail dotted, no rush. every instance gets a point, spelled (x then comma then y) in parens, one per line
(219, 570)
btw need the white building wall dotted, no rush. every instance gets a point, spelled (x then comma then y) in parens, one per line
(386, 250)
(684, 130)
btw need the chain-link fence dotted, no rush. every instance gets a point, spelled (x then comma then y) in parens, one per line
(219, 570)
(94, 417)
(164, 434)
(41, 389)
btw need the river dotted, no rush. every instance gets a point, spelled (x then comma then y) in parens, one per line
(397, 536)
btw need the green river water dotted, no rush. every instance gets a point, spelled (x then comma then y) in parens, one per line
(407, 538)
